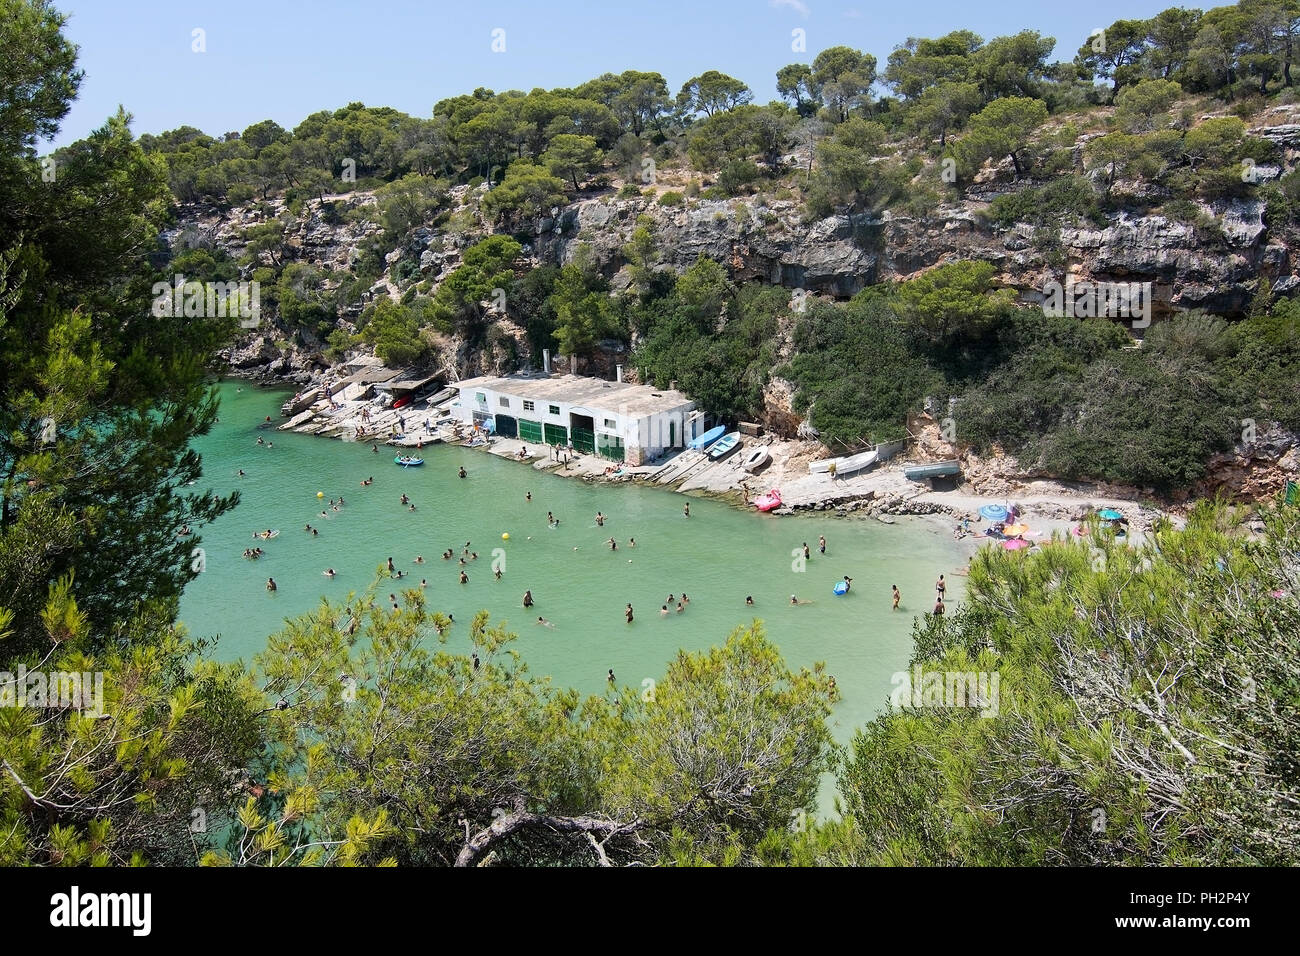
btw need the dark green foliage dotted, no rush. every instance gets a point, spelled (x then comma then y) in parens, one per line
(1068, 200)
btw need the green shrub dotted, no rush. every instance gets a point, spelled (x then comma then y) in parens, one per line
(671, 198)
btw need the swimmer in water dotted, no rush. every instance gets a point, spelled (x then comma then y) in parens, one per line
(261, 441)
(307, 528)
(685, 599)
(528, 496)
(544, 622)
(687, 510)
(671, 599)
(473, 556)
(446, 555)
(241, 473)
(496, 573)
(405, 500)
(324, 515)
(806, 552)
(749, 600)
(375, 449)
(270, 584)
(613, 545)
(314, 532)
(600, 519)
(390, 565)
(821, 543)
(462, 561)
(631, 542)
(419, 559)
(610, 678)
(423, 583)
(663, 611)
(680, 607)
(412, 508)
(528, 599)
(328, 572)
(848, 584)
(461, 472)
(628, 613)
(464, 578)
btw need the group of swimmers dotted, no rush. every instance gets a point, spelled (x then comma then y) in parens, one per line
(663, 611)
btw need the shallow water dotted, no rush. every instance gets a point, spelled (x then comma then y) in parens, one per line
(718, 555)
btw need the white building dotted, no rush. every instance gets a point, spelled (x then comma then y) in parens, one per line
(616, 420)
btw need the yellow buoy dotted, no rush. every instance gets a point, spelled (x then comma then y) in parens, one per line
(505, 535)
(320, 494)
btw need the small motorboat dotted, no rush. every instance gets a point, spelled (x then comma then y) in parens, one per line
(756, 459)
(406, 461)
(708, 438)
(724, 446)
(402, 402)
(938, 469)
(768, 502)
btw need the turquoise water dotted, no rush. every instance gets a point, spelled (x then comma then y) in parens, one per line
(718, 555)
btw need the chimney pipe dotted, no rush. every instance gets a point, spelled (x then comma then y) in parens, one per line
(618, 373)
(546, 361)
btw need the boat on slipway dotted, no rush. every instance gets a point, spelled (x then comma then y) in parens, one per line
(700, 442)
(724, 446)
(755, 460)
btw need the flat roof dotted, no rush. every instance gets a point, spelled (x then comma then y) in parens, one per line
(583, 391)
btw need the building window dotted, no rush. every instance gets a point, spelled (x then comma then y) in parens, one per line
(480, 396)
(528, 406)
(609, 423)
(505, 402)
(555, 409)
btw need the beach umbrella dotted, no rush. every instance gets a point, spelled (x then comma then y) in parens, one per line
(1014, 544)
(1110, 514)
(1014, 530)
(994, 512)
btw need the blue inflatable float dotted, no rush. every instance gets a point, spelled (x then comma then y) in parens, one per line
(841, 588)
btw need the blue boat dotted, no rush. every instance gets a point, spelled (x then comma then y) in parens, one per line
(407, 461)
(724, 446)
(707, 439)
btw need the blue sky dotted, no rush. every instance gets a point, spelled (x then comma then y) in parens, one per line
(285, 59)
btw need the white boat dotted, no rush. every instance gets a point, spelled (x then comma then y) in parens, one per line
(846, 465)
(756, 459)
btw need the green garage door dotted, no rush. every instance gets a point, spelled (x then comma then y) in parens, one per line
(506, 426)
(530, 431)
(556, 434)
(584, 441)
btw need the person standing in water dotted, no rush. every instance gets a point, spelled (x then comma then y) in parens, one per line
(821, 543)
(270, 586)
(686, 509)
(938, 607)
(461, 472)
(528, 598)
(464, 578)
(600, 520)
(807, 553)
(897, 596)
(628, 613)
(610, 678)
(613, 545)
(941, 587)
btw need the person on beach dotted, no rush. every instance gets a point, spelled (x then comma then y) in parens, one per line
(897, 597)
(821, 543)
(941, 587)
(270, 584)
(628, 613)
(528, 598)
(464, 578)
